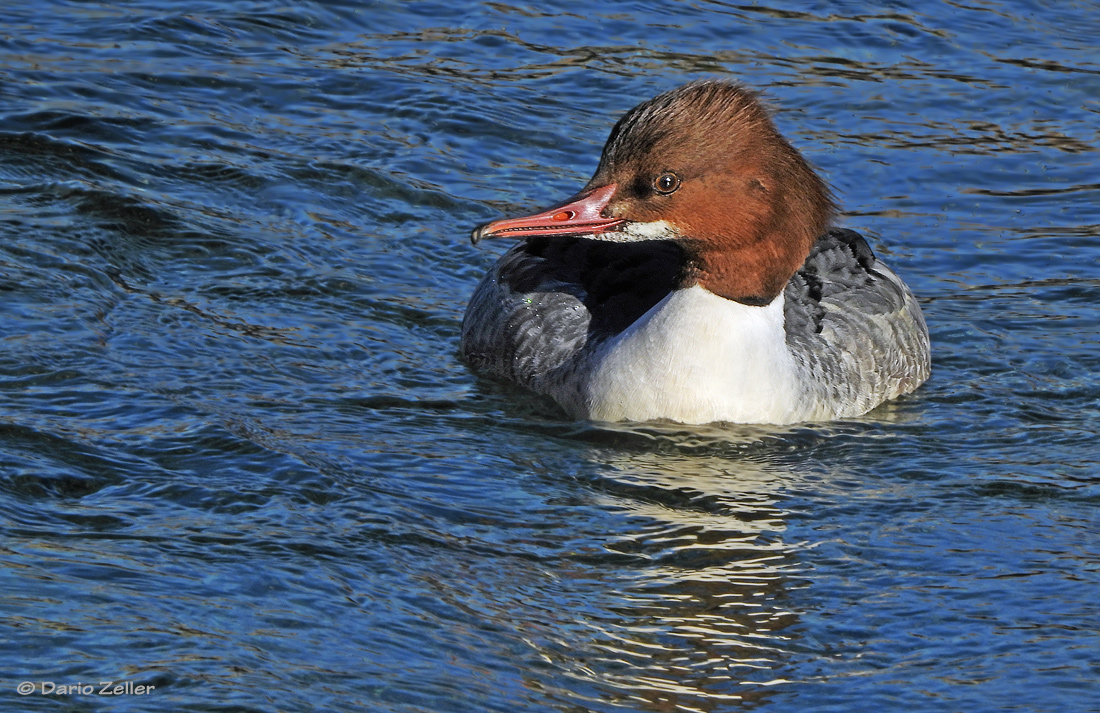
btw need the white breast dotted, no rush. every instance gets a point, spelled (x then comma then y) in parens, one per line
(694, 358)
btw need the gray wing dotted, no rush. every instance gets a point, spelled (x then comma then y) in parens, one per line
(524, 319)
(547, 301)
(854, 326)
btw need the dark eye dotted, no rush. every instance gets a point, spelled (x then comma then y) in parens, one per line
(666, 183)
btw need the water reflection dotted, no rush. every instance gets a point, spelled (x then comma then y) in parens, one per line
(703, 622)
(664, 586)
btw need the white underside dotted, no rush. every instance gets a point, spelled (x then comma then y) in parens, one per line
(694, 358)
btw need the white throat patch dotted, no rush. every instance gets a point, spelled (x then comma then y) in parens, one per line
(639, 232)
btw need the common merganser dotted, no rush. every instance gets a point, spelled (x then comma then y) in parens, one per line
(697, 278)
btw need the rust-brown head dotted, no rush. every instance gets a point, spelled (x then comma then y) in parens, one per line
(705, 166)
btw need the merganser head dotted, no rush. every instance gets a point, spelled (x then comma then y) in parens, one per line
(702, 165)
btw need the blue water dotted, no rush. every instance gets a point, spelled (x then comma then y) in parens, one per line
(241, 461)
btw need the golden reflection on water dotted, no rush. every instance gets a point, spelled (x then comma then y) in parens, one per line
(693, 585)
(703, 622)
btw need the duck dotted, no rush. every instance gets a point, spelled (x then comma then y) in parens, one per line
(698, 277)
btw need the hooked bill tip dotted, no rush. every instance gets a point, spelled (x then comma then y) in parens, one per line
(477, 234)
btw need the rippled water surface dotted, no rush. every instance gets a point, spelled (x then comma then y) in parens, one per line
(241, 461)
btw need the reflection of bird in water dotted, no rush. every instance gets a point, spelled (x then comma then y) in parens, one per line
(694, 602)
